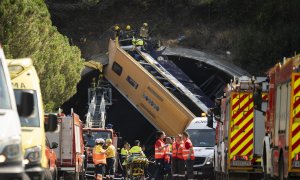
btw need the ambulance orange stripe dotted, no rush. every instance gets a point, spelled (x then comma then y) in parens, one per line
(239, 101)
(246, 147)
(242, 109)
(244, 117)
(241, 130)
(241, 140)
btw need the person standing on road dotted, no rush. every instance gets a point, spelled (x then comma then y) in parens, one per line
(178, 168)
(124, 154)
(168, 157)
(160, 148)
(188, 155)
(99, 158)
(110, 158)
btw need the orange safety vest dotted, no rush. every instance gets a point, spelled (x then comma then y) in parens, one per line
(177, 152)
(159, 154)
(167, 153)
(186, 152)
(99, 156)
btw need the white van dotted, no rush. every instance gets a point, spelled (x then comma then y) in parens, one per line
(203, 139)
(11, 156)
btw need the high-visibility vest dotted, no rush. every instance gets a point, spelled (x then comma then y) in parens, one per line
(99, 156)
(124, 152)
(137, 42)
(136, 150)
(186, 152)
(159, 154)
(177, 152)
(111, 151)
(168, 150)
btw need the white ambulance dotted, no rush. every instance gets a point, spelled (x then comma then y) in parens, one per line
(203, 139)
(11, 156)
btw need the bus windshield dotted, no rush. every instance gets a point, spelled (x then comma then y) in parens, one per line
(90, 137)
(4, 96)
(202, 137)
(33, 120)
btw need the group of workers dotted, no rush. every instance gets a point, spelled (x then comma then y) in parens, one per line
(174, 156)
(104, 159)
(129, 32)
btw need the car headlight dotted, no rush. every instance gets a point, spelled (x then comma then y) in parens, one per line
(33, 154)
(209, 160)
(11, 151)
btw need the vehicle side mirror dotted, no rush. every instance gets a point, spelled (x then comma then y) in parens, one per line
(54, 145)
(51, 125)
(26, 104)
(210, 121)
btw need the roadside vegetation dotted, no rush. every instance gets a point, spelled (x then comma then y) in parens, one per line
(26, 30)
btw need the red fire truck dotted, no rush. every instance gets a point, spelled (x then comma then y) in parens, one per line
(70, 151)
(281, 146)
(240, 130)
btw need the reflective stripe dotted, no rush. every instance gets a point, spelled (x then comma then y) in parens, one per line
(186, 152)
(159, 154)
(177, 152)
(99, 156)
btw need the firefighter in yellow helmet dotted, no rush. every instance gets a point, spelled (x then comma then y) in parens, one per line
(99, 158)
(144, 31)
(110, 159)
(117, 31)
(129, 33)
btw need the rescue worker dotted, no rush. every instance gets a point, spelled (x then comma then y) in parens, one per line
(117, 32)
(159, 155)
(124, 154)
(178, 165)
(188, 155)
(110, 159)
(168, 157)
(144, 31)
(136, 150)
(129, 33)
(99, 158)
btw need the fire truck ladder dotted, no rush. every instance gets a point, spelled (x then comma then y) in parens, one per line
(98, 97)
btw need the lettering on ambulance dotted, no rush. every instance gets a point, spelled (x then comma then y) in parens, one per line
(19, 85)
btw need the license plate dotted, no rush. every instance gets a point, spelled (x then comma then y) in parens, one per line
(240, 163)
(296, 163)
(90, 165)
(198, 173)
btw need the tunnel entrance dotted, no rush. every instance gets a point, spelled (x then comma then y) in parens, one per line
(126, 119)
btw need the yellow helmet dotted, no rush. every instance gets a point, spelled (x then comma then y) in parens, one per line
(145, 24)
(128, 28)
(117, 27)
(108, 141)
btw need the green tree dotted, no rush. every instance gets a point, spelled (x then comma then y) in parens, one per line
(26, 31)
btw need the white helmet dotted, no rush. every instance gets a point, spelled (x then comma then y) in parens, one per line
(99, 141)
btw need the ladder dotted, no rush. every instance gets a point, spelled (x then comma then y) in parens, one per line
(98, 98)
